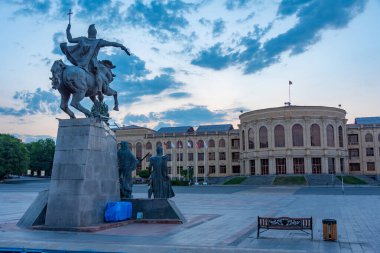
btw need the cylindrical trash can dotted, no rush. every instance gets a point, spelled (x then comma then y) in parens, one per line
(329, 230)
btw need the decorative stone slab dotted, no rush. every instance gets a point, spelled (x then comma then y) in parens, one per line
(85, 174)
(35, 215)
(156, 210)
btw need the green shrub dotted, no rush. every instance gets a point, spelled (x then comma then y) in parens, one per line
(235, 180)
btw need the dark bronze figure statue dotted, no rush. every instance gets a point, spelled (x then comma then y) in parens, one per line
(159, 181)
(127, 164)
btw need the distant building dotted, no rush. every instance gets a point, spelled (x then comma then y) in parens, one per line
(282, 140)
(364, 146)
(211, 151)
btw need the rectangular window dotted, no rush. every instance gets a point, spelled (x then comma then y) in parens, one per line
(179, 169)
(235, 143)
(280, 166)
(370, 166)
(236, 169)
(353, 153)
(211, 156)
(354, 166)
(180, 157)
(169, 156)
(235, 157)
(201, 156)
(223, 169)
(212, 169)
(353, 139)
(222, 156)
(341, 164)
(264, 166)
(169, 170)
(316, 165)
(369, 151)
(331, 163)
(201, 169)
(252, 166)
(190, 157)
(299, 166)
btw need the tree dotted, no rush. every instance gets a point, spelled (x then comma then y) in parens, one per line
(144, 174)
(14, 157)
(41, 155)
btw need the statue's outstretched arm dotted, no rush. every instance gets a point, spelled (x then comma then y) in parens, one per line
(104, 43)
(69, 37)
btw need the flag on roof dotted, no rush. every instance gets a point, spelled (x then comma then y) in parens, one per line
(205, 144)
(189, 144)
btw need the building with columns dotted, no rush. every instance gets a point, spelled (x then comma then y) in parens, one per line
(293, 140)
(273, 141)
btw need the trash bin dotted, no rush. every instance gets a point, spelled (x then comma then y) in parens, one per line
(329, 230)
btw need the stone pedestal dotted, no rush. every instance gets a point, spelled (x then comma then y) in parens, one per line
(85, 174)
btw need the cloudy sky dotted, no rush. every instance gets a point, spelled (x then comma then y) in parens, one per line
(194, 62)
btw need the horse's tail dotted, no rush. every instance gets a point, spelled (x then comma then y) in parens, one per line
(57, 74)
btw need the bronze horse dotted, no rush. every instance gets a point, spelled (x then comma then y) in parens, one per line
(75, 81)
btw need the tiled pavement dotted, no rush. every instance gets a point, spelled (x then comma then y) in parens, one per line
(223, 222)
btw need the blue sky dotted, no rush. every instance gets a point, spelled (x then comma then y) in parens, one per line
(194, 62)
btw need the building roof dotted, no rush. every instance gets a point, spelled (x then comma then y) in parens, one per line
(215, 128)
(171, 130)
(367, 120)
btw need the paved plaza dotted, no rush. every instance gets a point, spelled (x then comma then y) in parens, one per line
(220, 219)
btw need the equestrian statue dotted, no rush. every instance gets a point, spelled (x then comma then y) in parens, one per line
(89, 77)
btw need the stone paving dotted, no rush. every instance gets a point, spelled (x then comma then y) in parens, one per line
(217, 222)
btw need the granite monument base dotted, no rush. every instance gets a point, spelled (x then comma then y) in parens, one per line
(85, 174)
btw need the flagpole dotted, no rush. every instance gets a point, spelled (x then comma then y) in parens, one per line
(290, 83)
(179, 163)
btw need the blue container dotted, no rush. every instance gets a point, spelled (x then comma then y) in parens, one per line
(118, 211)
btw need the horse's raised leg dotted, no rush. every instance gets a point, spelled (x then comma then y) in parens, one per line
(65, 105)
(111, 92)
(75, 102)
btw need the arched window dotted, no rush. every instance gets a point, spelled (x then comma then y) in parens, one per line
(263, 137)
(368, 137)
(279, 136)
(138, 150)
(179, 144)
(211, 143)
(297, 135)
(148, 145)
(378, 137)
(190, 144)
(243, 139)
(340, 136)
(315, 135)
(251, 139)
(200, 144)
(168, 145)
(330, 136)
(222, 143)
(159, 144)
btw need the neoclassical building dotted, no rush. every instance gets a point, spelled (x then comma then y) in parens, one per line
(364, 146)
(294, 140)
(210, 150)
(283, 140)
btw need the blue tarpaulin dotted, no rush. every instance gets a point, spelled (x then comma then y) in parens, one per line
(118, 211)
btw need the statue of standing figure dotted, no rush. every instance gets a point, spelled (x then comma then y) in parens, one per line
(159, 181)
(127, 163)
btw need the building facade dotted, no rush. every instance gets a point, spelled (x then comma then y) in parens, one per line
(294, 140)
(209, 151)
(363, 139)
(272, 141)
